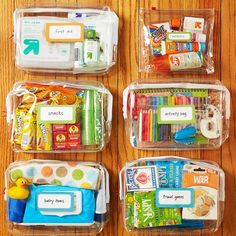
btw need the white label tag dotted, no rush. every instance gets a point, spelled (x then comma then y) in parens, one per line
(64, 32)
(179, 36)
(57, 114)
(176, 114)
(174, 198)
(71, 203)
(55, 201)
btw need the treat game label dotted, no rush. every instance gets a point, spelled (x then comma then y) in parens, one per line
(50, 201)
(60, 114)
(178, 198)
(64, 32)
(141, 178)
(176, 114)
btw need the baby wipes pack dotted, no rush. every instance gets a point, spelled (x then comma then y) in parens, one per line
(71, 195)
(172, 195)
(176, 115)
(71, 40)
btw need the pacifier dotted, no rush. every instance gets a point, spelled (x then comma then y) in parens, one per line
(211, 126)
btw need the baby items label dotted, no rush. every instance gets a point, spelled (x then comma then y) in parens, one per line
(176, 114)
(60, 203)
(178, 198)
(59, 114)
(55, 201)
(64, 32)
(141, 178)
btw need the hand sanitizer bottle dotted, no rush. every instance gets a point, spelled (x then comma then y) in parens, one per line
(91, 47)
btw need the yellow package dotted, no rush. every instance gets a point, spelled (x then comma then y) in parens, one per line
(28, 132)
(44, 136)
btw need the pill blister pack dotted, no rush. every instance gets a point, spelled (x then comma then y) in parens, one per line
(58, 193)
(176, 115)
(169, 194)
(176, 40)
(66, 39)
(59, 116)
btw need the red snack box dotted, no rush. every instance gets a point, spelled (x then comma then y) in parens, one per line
(59, 127)
(73, 133)
(60, 140)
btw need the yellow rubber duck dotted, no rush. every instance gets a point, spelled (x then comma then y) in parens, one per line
(20, 191)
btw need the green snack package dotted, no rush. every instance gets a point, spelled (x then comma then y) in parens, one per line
(168, 216)
(129, 205)
(146, 214)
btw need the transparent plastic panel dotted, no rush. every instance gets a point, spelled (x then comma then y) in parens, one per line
(68, 40)
(177, 115)
(63, 197)
(59, 116)
(172, 195)
(176, 40)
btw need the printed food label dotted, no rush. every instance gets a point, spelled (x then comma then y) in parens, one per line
(60, 203)
(178, 198)
(58, 114)
(182, 114)
(183, 61)
(64, 32)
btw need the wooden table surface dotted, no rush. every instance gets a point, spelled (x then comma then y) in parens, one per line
(119, 150)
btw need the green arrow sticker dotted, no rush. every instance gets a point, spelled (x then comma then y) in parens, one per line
(32, 45)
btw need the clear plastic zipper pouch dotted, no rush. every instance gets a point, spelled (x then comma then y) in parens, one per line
(176, 40)
(172, 195)
(46, 196)
(59, 116)
(176, 115)
(68, 40)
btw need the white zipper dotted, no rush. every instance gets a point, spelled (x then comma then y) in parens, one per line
(205, 164)
(101, 167)
(18, 91)
(135, 85)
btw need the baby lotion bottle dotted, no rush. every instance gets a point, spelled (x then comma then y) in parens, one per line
(91, 47)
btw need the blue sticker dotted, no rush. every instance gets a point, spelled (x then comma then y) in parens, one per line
(175, 198)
